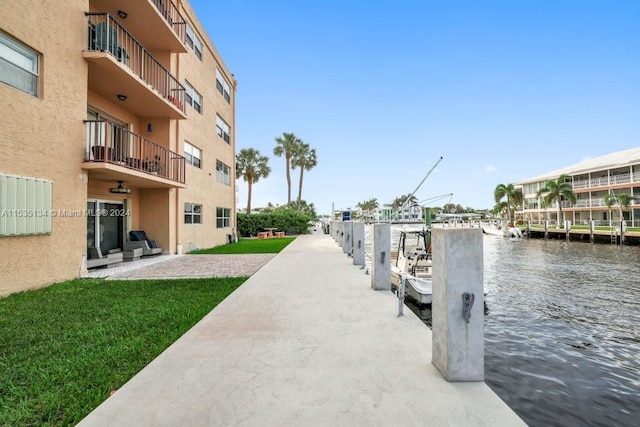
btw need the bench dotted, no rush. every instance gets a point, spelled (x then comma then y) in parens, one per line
(279, 233)
(263, 235)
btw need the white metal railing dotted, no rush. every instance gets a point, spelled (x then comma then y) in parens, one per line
(584, 183)
(599, 182)
(622, 178)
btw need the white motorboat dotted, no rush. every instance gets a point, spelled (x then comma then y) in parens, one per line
(493, 230)
(414, 263)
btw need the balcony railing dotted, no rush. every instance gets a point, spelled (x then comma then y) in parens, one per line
(171, 14)
(604, 181)
(107, 35)
(111, 143)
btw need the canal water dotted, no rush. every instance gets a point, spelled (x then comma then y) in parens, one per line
(562, 330)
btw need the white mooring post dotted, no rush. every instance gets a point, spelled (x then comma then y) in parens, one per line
(348, 237)
(458, 304)
(341, 237)
(339, 233)
(381, 257)
(358, 243)
(332, 229)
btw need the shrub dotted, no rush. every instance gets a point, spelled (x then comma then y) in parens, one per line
(289, 221)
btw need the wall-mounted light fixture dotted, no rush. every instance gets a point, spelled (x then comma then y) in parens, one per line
(119, 189)
(122, 14)
(122, 97)
(149, 127)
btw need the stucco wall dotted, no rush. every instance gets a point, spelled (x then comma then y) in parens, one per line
(44, 137)
(200, 131)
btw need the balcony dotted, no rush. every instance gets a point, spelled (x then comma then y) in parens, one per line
(115, 154)
(121, 69)
(157, 24)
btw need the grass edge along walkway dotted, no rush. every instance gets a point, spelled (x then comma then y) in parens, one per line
(67, 346)
(248, 246)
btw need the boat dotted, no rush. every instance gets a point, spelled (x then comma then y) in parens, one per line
(413, 263)
(493, 230)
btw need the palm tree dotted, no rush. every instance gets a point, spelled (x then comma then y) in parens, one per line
(304, 158)
(251, 166)
(286, 146)
(622, 200)
(514, 197)
(406, 199)
(367, 206)
(555, 191)
(499, 208)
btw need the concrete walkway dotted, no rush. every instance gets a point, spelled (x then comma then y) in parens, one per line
(304, 342)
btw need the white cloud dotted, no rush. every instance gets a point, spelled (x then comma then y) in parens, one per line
(490, 168)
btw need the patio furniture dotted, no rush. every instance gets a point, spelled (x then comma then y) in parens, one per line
(139, 240)
(96, 259)
(133, 255)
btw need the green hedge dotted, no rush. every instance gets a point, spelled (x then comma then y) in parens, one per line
(291, 222)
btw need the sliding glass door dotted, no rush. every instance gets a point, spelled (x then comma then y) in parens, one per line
(105, 225)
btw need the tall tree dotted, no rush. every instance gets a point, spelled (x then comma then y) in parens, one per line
(621, 200)
(499, 208)
(514, 197)
(367, 206)
(304, 158)
(251, 166)
(555, 191)
(286, 145)
(399, 201)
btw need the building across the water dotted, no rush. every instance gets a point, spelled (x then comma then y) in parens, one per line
(117, 115)
(592, 180)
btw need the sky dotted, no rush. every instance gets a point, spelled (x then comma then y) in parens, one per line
(501, 90)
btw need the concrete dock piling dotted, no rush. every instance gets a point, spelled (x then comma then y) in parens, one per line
(348, 237)
(381, 257)
(458, 304)
(358, 243)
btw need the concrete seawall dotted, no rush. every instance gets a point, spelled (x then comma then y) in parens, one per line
(304, 342)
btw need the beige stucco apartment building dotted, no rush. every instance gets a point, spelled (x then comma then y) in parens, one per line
(116, 115)
(591, 181)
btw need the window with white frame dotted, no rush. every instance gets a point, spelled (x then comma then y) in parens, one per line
(223, 86)
(223, 130)
(223, 173)
(192, 97)
(192, 213)
(192, 154)
(194, 42)
(223, 217)
(18, 65)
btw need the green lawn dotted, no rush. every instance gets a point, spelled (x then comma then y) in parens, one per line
(64, 348)
(249, 246)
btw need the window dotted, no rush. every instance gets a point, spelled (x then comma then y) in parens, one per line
(223, 173)
(222, 128)
(192, 213)
(192, 97)
(223, 216)
(194, 42)
(18, 65)
(223, 86)
(192, 154)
